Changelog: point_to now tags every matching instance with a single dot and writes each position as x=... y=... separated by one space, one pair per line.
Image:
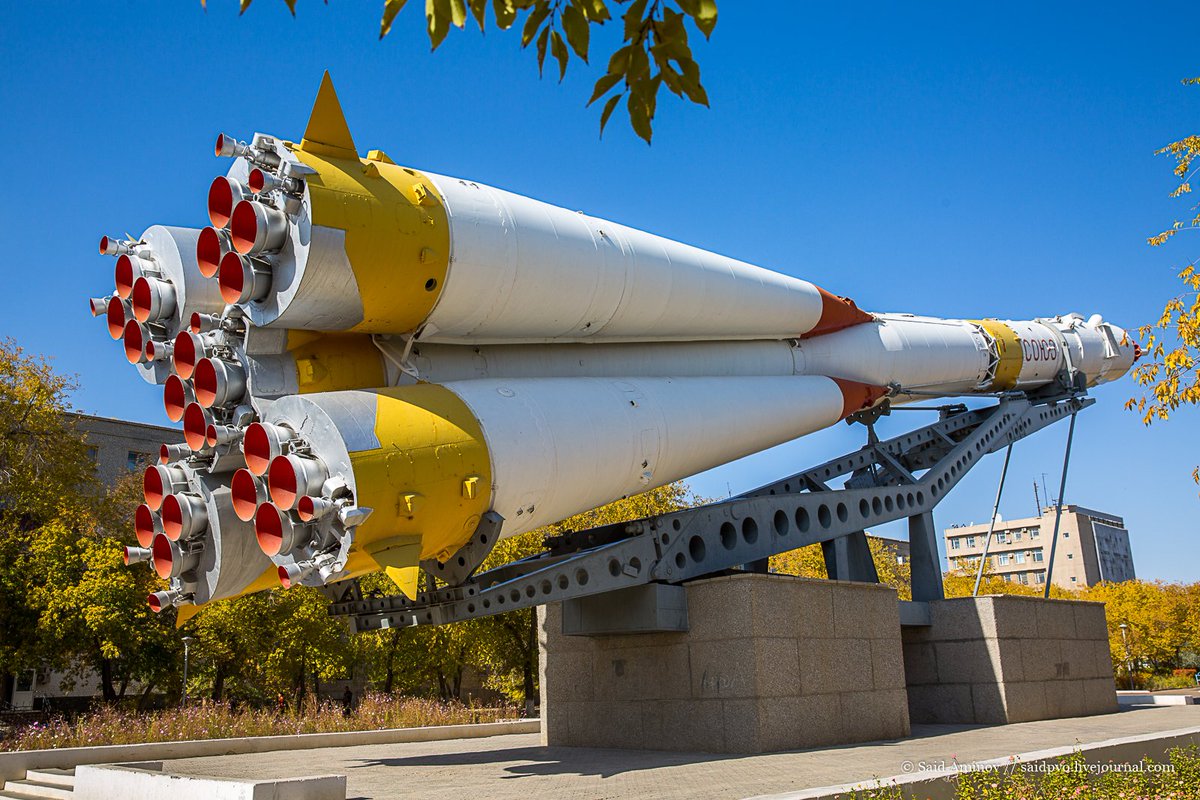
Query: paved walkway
x=515 y=767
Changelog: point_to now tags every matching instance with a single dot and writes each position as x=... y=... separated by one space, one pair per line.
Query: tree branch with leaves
x=1170 y=369
x=654 y=53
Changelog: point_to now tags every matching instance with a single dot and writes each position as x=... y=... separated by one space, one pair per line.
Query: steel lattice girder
x=776 y=518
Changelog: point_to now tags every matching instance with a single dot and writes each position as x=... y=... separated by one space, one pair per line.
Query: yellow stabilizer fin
x=406 y=578
x=327 y=131
x=184 y=613
x=400 y=557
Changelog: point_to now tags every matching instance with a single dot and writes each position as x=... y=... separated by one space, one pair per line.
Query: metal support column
x=926 y=563
x=848 y=558
x=1062 y=487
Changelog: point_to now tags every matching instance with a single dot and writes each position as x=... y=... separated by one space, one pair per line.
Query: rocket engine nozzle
x=159 y=481
x=262 y=443
x=116 y=316
x=247 y=493
x=218 y=382
x=291 y=477
x=135 y=555
x=170 y=559
x=224 y=194
x=189 y=350
x=173 y=452
x=177 y=394
x=112 y=246
x=196 y=420
x=135 y=338
x=160 y=600
x=153 y=299
x=292 y=574
x=183 y=515
x=211 y=244
x=257 y=228
x=243 y=279
x=262 y=181
x=125 y=274
x=145 y=524
x=216 y=435
x=276 y=531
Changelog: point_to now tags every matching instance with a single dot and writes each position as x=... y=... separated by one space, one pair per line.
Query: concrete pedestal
x=769 y=663
x=1003 y=658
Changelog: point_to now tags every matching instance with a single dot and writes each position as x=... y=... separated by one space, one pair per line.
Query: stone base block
x=770 y=663
x=1005 y=658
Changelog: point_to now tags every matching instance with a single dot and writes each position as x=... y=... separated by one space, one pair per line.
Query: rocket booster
x=367 y=359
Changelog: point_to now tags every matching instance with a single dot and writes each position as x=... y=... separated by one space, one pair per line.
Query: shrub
x=109 y=725
x=1158 y=682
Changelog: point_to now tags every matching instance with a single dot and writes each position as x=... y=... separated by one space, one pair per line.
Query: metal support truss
x=883 y=486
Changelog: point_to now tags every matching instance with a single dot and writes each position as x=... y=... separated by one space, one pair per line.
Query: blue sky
x=938 y=158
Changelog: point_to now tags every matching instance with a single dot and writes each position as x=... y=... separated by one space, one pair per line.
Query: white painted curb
x=14 y=765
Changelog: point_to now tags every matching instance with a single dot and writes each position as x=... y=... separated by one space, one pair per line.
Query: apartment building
x=1093 y=546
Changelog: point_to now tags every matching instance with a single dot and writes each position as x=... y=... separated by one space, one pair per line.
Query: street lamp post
x=187 y=640
x=1128 y=662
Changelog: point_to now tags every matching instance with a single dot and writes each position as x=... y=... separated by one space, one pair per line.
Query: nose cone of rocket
x=859 y=396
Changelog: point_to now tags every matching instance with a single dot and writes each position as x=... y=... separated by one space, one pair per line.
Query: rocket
x=368 y=360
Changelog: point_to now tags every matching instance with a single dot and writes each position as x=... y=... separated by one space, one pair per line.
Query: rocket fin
x=400 y=556
x=185 y=612
x=406 y=578
x=327 y=128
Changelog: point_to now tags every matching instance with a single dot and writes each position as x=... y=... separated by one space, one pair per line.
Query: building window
x=1037 y=555
x=136 y=460
x=1003 y=559
x=1066 y=534
x=970 y=541
x=1025 y=578
x=1034 y=533
x=1017 y=536
x=1072 y=579
x=92 y=453
x=1070 y=555
x=954 y=543
x=1041 y=577
x=1020 y=557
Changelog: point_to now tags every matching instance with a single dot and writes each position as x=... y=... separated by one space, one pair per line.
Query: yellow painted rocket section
x=428 y=483
x=1008 y=347
x=335 y=362
x=397 y=230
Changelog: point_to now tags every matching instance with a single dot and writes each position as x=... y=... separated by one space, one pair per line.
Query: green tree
x=66 y=598
x=1159 y=616
x=654 y=50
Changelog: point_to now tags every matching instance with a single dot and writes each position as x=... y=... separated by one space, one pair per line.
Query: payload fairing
x=368 y=359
